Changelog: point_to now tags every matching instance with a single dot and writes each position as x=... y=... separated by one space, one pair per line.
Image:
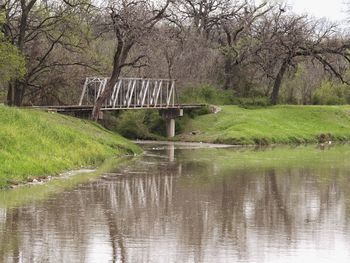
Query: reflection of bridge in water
x=141 y=191
x=144 y=188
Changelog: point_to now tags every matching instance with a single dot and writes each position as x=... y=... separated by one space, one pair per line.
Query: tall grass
x=35 y=143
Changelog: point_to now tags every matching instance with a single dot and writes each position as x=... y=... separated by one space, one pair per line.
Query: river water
x=192 y=203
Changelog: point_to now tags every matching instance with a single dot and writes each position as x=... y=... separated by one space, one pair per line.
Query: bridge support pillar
x=170 y=128
x=169 y=116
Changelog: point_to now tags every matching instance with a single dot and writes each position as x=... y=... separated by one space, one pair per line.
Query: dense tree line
x=48 y=47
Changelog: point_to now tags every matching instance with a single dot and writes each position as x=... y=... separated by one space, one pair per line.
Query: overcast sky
x=334 y=10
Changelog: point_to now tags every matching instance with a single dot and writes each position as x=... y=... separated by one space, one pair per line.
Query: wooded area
x=47 y=48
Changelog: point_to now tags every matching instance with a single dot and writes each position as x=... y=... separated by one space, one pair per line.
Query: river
x=191 y=203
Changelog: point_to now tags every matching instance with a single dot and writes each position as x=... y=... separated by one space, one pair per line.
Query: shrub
x=138 y=124
x=155 y=123
x=2 y=96
x=330 y=94
x=130 y=124
x=197 y=112
x=254 y=102
x=206 y=94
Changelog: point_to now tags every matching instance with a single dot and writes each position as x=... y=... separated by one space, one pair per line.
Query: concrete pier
x=170 y=128
x=169 y=116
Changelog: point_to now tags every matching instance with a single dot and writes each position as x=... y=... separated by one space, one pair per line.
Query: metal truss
x=131 y=93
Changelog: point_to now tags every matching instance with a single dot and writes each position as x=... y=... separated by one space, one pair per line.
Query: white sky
x=334 y=10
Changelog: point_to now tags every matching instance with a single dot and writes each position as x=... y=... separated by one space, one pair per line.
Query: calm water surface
x=183 y=204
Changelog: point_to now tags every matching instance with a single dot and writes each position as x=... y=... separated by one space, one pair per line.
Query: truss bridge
x=130 y=94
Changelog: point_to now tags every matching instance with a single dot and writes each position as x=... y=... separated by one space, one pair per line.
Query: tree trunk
x=108 y=90
x=170 y=68
x=10 y=94
x=119 y=59
x=15 y=93
x=278 y=82
x=125 y=41
x=228 y=69
x=276 y=194
x=16 y=88
x=104 y=96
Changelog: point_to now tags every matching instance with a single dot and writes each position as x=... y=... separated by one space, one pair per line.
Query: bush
x=2 y=96
x=193 y=113
x=331 y=94
x=131 y=125
x=206 y=94
x=138 y=124
x=155 y=123
x=254 y=102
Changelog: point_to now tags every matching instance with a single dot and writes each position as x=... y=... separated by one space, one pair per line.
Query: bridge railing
x=131 y=93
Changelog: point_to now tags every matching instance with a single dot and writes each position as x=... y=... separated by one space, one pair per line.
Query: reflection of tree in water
x=189 y=210
x=268 y=206
x=9 y=243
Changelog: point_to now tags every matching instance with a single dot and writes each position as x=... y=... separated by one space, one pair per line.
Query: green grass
x=10 y=198
x=271 y=125
x=35 y=143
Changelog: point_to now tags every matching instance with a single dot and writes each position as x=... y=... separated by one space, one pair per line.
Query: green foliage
x=331 y=93
x=254 y=102
x=12 y=62
x=140 y=124
x=35 y=143
x=155 y=123
x=206 y=94
x=147 y=124
x=278 y=124
x=2 y=96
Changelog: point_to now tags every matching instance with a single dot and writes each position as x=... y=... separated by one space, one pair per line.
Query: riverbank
x=35 y=144
x=21 y=194
x=270 y=125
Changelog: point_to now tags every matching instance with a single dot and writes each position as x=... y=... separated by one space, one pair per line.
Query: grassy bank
x=10 y=198
x=35 y=144
x=278 y=124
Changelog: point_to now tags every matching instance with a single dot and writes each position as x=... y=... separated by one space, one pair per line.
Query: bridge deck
x=88 y=108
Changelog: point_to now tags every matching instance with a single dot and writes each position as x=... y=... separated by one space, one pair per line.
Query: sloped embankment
x=35 y=143
x=271 y=125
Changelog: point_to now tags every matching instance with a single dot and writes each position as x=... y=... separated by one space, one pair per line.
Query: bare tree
x=204 y=15
x=236 y=45
x=171 y=40
x=288 y=39
x=130 y=21
x=38 y=29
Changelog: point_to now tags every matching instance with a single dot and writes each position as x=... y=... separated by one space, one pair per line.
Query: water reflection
x=176 y=206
